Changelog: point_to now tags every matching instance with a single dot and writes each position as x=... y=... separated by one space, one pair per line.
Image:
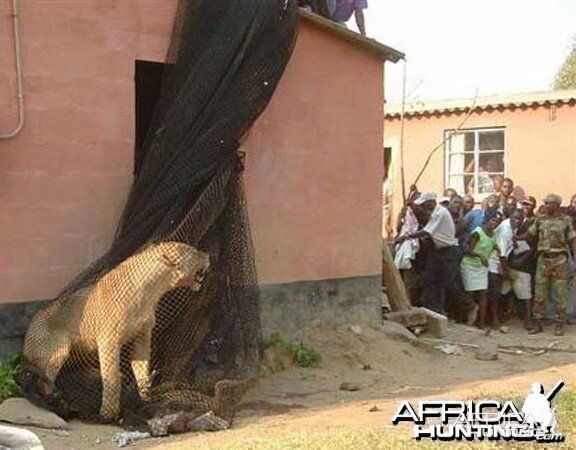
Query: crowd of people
x=340 y=11
x=484 y=265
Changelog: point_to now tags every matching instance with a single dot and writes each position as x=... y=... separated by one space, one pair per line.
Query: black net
x=135 y=330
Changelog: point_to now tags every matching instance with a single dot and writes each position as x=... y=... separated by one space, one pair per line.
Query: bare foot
x=472 y=316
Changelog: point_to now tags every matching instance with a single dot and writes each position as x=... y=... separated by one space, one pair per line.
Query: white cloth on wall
x=406 y=252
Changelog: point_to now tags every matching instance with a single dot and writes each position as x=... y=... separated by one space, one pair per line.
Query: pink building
x=314 y=157
x=529 y=137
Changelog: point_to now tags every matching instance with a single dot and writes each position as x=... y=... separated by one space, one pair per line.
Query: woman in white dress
x=474 y=266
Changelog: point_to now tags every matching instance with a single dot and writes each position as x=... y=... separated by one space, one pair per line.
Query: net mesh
x=131 y=330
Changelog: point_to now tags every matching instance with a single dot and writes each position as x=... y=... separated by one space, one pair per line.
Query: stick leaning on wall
x=471 y=109
x=396 y=290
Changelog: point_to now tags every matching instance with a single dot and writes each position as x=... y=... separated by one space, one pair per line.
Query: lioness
x=117 y=310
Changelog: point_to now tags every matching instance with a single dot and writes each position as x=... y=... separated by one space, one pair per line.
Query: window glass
x=469 y=142
x=491 y=140
x=492 y=163
x=473 y=159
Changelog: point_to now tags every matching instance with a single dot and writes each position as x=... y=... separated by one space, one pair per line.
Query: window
x=148 y=82
x=474 y=158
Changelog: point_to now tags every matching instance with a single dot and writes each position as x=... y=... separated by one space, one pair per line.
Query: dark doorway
x=148 y=80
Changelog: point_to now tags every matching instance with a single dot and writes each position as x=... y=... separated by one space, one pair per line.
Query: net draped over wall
x=225 y=59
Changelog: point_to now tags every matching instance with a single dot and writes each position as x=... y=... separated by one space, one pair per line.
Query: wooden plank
x=394 y=285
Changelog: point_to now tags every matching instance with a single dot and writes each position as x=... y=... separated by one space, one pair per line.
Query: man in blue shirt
x=341 y=11
x=477 y=217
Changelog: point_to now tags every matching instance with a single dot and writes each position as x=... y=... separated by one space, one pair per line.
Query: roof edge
x=371 y=45
x=506 y=101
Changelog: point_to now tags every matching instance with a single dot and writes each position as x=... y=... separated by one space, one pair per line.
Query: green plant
x=275 y=340
x=305 y=356
x=8 y=370
x=300 y=354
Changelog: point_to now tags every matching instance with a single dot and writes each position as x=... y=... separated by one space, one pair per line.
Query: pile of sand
x=378 y=364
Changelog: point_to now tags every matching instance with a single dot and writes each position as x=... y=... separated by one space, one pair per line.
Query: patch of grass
x=305 y=356
x=8 y=370
x=566 y=414
x=302 y=355
x=565 y=404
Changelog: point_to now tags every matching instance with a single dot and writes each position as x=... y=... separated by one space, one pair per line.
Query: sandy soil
x=299 y=399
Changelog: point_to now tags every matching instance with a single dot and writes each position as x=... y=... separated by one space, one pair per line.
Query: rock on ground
x=396 y=330
x=350 y=387
x=170 y=424
x=125 y=438
x=355 y=329
x=487 y=352
x=186 y=421
x=20 y=411
x=18 y=439
x=208 y=422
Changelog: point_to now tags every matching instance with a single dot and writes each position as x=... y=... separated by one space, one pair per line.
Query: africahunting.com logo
x=485 y=420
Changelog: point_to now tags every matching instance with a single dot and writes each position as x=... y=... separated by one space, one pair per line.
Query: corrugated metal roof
x=526 y=99
x=373 y=46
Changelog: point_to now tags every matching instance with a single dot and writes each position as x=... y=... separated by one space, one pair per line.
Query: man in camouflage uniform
x=553 y=232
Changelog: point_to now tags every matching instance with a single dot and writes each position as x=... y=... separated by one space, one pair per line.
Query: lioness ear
x=170 y=260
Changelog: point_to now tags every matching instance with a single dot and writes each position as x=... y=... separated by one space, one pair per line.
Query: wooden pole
x=394 y=285
x=402 y=177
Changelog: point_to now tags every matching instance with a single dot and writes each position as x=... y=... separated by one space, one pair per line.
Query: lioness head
x=39 y=390
x=189 y=264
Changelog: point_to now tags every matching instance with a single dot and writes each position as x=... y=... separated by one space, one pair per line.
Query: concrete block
x=15 y=317
x=413 y=317
x=292 y=308
x=437 y=324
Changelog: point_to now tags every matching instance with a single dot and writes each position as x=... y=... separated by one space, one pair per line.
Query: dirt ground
x=386 y=369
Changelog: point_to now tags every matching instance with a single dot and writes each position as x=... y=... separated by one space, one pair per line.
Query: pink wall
x=63 y=180
x=540 y=153
x=314 y=168
x=314 y=157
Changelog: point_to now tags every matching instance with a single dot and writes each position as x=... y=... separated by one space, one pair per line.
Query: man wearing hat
x=529 y=208
x=443 y=269
x=553 y=232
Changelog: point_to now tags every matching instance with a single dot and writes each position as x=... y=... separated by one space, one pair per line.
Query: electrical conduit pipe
x=18 y=58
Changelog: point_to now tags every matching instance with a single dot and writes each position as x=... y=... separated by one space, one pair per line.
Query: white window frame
x=448 y=153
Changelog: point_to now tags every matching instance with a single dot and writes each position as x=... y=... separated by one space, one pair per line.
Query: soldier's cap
x=553 y=198
x=529 y=201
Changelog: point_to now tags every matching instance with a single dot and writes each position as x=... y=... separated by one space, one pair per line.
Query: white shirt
x=441 y=228
x=503 y=235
